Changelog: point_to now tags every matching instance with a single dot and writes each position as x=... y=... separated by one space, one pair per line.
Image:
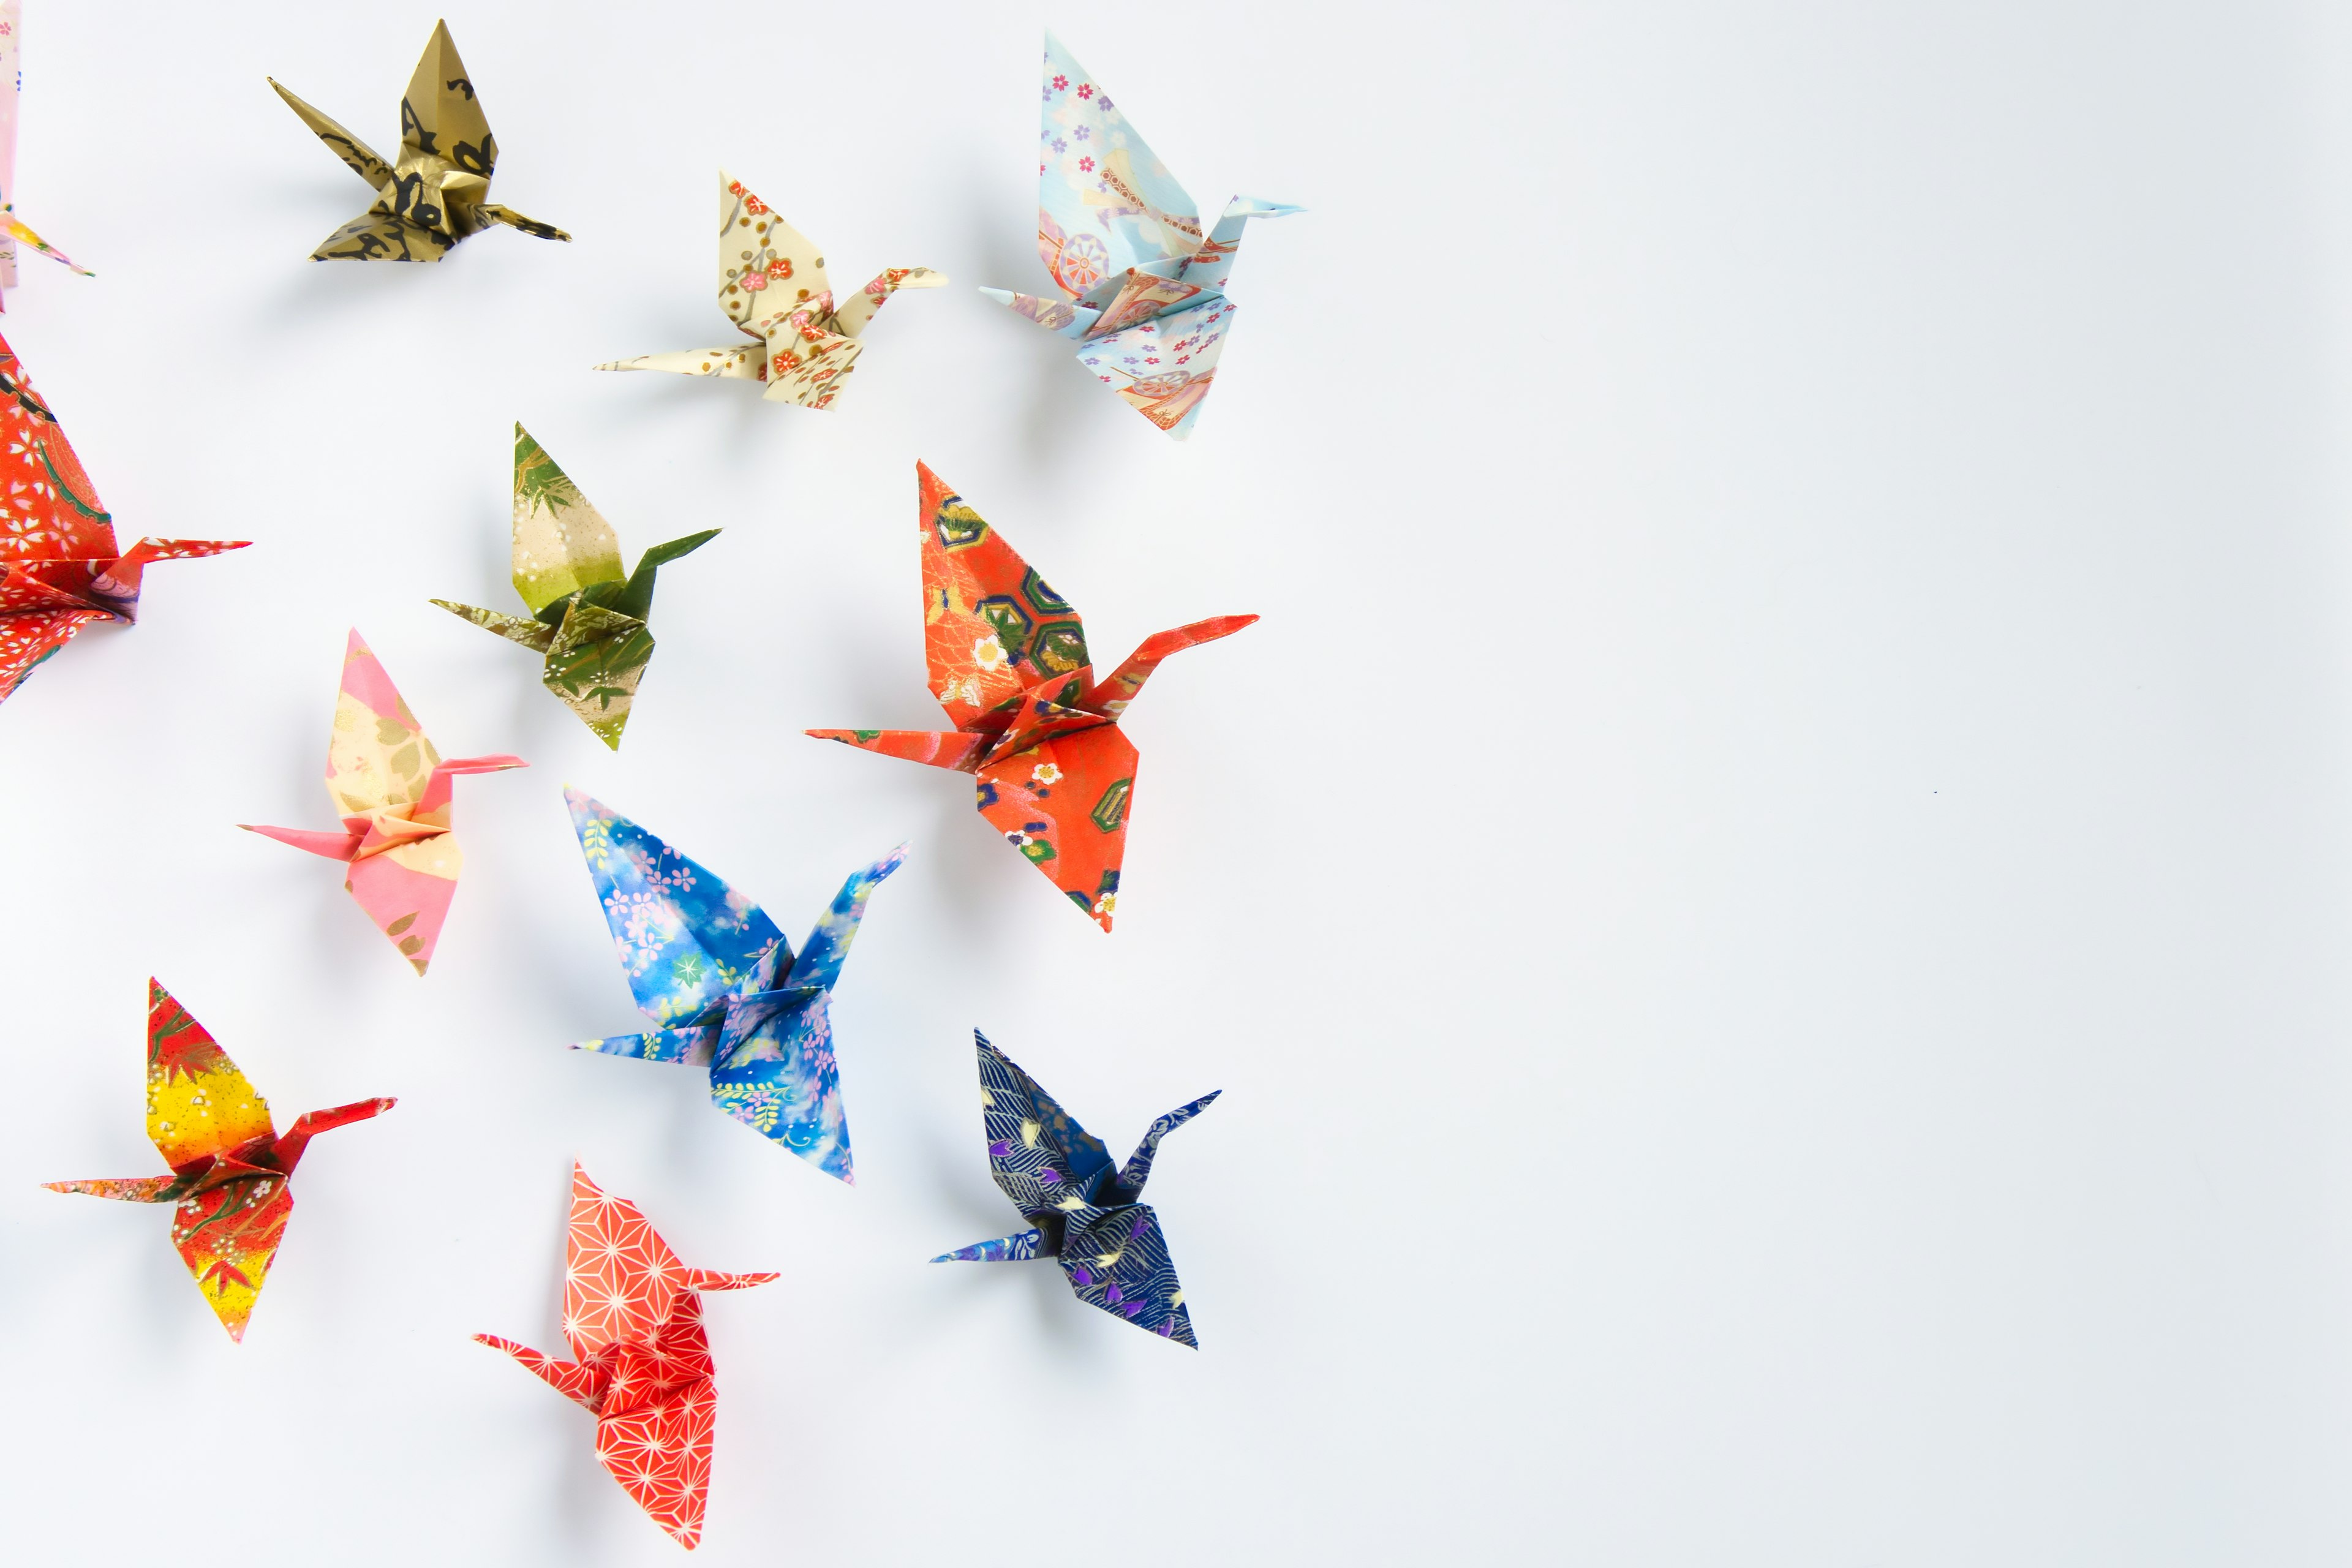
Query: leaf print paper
x=394 y=793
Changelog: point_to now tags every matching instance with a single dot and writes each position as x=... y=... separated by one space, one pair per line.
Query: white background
x=1768 y=898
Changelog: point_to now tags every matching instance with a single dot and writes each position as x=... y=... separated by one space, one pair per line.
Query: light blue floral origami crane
x=709 y=966
x=1143 y=289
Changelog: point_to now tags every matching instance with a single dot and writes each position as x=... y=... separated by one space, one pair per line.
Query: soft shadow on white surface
x=1768 y=897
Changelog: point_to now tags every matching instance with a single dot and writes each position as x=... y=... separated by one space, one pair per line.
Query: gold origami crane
x=436 y=194
x=772 y=286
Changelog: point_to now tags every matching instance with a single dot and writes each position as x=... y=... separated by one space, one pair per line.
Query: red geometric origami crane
x=1009 y=663
x=641 y=1363
x=60 y=569
x=229 y=1168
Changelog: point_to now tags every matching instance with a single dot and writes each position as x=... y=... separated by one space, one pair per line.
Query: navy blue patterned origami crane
x=708 y=964
x=1081 y=1212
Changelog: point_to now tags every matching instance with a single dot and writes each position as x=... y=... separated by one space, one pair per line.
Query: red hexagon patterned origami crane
x=1008 y=662
x=59 y=568
x=641 y=1361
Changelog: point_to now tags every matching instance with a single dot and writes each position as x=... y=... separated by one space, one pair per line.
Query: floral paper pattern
x=59 y=568
x=394 y=792
x=230 y=1167
x=772 y=286
x=641 y=1361
x=1142 y=288
x=1008 y=662
x=708 y=965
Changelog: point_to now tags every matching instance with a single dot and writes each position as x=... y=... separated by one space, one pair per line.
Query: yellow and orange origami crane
x=392 y=791
x=1009 y=663
x=230 y=1167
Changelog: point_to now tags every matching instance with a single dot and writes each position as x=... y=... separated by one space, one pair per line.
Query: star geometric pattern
x=633 y=1317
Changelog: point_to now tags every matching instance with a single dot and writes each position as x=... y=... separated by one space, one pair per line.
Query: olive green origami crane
x=586 y=615
x=438 y=191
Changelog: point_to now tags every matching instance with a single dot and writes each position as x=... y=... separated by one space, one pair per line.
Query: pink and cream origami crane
x=12 y=87
x=392 y=790
x=641 y=1363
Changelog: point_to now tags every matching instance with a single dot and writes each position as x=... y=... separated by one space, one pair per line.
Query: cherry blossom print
x=61 y=569
x=710 y=967
x=1109 y=208
x=773 y=290
x=394 y=795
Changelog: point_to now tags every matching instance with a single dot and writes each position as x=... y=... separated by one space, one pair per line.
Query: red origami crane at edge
x=1008 y=662
x=642 y=1363
x=60 y=569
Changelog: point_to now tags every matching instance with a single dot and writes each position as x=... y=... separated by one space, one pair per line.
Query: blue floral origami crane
x=709 y=966
x=1143 y=289
x=1083 y=1214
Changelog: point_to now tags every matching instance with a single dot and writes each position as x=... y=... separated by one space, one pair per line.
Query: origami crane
x=229 y=1168
x=709 y=966
x=60 y=569
x=641 y=1363
x=1084 y=1214
x=12 y=87
x=587 y=617
x=772 y=284
x=1143 y=289
x=392 y=790
x=436 y=194
x=1008 y=660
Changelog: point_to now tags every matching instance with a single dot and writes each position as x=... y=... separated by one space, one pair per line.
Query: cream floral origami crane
x=392 y=790
x=587 y=615
x=772 y=286
x=641 y=1363
x=12 y=87
x=439 y=191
